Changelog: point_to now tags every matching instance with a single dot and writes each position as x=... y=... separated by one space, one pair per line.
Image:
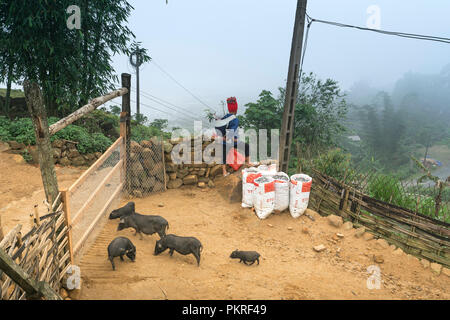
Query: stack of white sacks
x=267 y=191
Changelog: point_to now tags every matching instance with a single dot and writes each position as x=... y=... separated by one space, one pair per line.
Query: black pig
x=245 y=256
x=182 y=245
x=121 y=246
x=147 y=224
x=124 y=211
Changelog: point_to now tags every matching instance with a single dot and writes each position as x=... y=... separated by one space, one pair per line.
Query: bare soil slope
x=21 y=188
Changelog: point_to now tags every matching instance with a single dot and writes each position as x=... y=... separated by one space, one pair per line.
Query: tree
x=319 y=114
x=264 y=114
x=71 y=66
x=161 y=124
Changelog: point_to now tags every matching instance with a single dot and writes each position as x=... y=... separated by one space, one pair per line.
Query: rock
x=360 y=231
x=58 y=144
x=382 y=244
x=202 y=172
x=171 y=167
x=90 y=157
x=167 y=157
x=335 y=221
x=347 y=225
x=137 y=193
x=67 y=298
x=175 y=141
x=135 y=147
x=14 y=145
x=398 y=252
x=78 y=161
x=174 y=184
x=98 y=154
x=190 y=179
x=289 y=228
x=63 y=293
x=201 y=185
x=340 y=235
x=161 y=205
x=305 y=230
x=217 y=169
x=211 y=184
x=4 y=146
x=56 y=153
x=319 y=248
x=73 y=154
x=167 y=147
x=18 y=159
x=182 y=172
x=270 y=225
x=146 y=144
x=425 y=263
x=367 y=236
x=446 y=271
x=172 y=176
x=436 y=268
x=64 y=161
x=203 y=179
x=378 y=258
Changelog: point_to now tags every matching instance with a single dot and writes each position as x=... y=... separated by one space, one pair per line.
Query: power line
x=392 y=33
x=187 y=90
x=167 y=104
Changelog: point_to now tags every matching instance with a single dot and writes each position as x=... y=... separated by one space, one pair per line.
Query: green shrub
x=335 y=163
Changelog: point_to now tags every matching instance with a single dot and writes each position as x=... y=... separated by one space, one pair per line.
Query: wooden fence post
x=36 y=107
x=66 y=208
x=126 y=107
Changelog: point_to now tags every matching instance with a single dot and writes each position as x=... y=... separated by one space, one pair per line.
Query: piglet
x=245 y=256
x=121 y=246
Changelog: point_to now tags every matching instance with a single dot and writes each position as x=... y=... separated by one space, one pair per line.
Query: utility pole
x=287 y=125
x=136 y=61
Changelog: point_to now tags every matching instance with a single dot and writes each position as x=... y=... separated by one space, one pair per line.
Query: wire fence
x=145 y=168
x=95 y=194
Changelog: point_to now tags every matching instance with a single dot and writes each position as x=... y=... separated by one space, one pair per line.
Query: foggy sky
x=237 y=48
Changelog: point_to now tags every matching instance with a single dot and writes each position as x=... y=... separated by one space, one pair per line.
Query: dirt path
x=289 y=268
x=21 y=188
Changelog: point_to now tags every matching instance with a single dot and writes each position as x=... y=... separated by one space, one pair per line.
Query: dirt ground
x=21 y=188
x=289 y=269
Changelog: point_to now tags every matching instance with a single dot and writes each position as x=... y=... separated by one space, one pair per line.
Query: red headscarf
x=232 y=105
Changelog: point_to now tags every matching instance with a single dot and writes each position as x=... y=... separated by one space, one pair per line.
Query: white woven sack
x=300 y=187
x=248 y=175
x=281 y=202
x=264 y=196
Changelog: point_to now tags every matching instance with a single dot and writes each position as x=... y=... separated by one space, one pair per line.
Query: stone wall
x=201 y=175
x=65 y=153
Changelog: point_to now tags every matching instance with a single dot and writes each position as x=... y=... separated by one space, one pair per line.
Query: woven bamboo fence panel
x=415 y=233
x=43 y=253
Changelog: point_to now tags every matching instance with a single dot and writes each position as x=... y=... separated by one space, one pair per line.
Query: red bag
x=235 y=159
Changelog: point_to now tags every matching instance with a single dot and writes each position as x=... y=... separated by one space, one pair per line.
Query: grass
x=15 y=93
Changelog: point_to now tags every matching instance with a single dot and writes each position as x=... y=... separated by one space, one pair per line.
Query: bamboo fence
x=415 y=233
x=43 y=253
